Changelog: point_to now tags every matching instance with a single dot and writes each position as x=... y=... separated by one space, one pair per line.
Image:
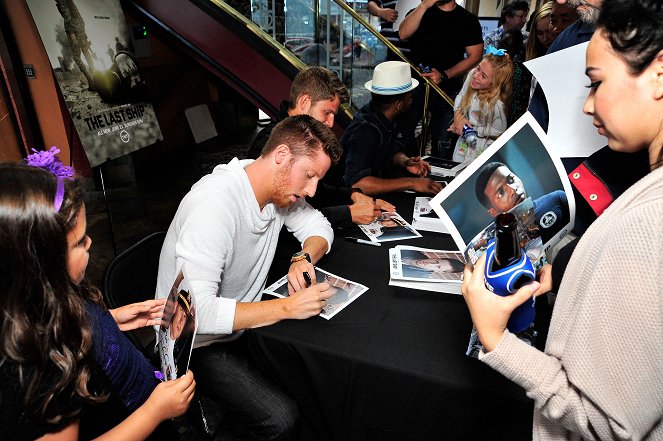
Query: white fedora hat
x=391 y=78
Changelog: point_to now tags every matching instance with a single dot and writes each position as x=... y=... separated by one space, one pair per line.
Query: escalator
x=258 y=46
x=224 y=45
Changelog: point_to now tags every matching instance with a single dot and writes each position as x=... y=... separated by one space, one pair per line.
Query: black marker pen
x=307 y=278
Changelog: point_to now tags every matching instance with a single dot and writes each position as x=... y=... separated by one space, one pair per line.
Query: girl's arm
x=138 y=315
x=169 y=399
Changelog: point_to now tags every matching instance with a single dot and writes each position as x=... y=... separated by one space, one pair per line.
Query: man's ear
x=657 y=75
x=493 y=212
x=281 y=153
x=303 y=104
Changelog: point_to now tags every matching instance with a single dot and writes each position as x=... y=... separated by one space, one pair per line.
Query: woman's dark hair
x=42 y=312
x=634 y=29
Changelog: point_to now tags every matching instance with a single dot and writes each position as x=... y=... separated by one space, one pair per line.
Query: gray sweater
x=601 y=375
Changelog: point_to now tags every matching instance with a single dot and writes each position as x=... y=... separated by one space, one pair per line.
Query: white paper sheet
x=562 y=77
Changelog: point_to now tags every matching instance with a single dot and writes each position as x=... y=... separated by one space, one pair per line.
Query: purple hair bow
x=47 y=160
x=492 y=50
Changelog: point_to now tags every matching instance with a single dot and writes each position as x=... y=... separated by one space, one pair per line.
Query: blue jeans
x=442 y=114
x=225 y=374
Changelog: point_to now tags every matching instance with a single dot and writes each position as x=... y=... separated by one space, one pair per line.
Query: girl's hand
x=458 y=123
x=137 y=315
x=171 y=398
x=490 y=312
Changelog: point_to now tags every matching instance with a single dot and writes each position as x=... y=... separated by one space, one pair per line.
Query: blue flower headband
x=48 y=161
x=492 y=50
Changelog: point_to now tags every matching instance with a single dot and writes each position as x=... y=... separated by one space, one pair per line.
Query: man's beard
x=588 y=14
x=280 y=196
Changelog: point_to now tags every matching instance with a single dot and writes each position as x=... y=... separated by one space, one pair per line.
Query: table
x=391 y=365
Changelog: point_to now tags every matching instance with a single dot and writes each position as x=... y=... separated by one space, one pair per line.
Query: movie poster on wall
x=90 y=50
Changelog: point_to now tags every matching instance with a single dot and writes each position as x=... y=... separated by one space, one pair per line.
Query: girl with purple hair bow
x=58 y=341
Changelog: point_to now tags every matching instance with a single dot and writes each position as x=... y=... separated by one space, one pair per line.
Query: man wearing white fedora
x=373 y=147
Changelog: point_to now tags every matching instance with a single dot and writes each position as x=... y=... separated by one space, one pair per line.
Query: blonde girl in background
x=482 y=104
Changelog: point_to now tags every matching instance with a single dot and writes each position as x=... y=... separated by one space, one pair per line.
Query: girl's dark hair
x=42 y=312
x=634 y=29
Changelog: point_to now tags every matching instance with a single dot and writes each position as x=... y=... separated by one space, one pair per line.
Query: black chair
x=132 y=277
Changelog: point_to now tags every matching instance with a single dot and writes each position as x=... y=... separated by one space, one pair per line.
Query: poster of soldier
x=91 y=52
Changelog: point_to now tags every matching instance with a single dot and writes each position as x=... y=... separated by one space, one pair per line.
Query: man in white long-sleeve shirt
x=225 y=231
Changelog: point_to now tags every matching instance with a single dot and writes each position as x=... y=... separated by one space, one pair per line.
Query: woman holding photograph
x=599 y=377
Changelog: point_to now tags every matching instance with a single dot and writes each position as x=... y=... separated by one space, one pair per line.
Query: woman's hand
x=137 y=315
x=490 y=312
x=544 y=275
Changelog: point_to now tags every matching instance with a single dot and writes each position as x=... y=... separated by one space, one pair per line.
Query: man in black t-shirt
x=441 y=34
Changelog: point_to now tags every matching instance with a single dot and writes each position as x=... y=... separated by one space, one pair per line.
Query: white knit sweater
x=601 y=376
x=228 y=245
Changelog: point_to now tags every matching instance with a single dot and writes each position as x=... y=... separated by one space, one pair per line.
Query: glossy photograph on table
x=389 y=226
x=426 y=269
x=344 y=291
x=520 y=164
x=425 y=264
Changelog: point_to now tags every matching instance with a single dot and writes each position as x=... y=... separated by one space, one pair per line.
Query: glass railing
x=340 y=36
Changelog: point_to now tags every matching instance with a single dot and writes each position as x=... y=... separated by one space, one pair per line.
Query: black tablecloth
x=392 y=364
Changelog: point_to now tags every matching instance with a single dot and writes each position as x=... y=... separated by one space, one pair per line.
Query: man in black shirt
x=372 y=144
x=441 y=33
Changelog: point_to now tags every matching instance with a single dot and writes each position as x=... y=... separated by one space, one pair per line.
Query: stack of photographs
x=426 y=269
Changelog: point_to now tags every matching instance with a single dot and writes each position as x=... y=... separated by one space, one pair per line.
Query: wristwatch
x=300 y=255
x=443 y=76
